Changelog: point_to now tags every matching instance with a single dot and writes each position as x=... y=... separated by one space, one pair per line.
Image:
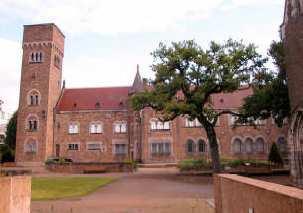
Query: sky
x=105 y=40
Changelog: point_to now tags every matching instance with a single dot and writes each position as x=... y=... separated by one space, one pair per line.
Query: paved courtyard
x=146 y=191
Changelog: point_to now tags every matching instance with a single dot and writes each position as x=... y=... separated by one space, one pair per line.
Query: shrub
x=6 y=154
x=274 y=155
x=233 y=163
x=194 y=165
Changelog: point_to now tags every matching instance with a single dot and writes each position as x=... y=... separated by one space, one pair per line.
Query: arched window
x=282 y=145
x=36 y=57
x=120 y=127
x=237 y=146
x=30 y=146
x=190 y=146
x=96 y=128
x=248 y=145
x=201 y=146
x=33 y=98
x=73 y=128
x=260 y=145
x=32 y=123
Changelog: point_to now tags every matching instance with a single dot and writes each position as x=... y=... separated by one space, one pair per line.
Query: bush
x=56 y=160
x=6 y=154
x=233 y=163
x=194 y=165
x=274 y=155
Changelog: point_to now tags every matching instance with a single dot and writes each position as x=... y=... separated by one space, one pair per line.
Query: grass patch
x=51 y=188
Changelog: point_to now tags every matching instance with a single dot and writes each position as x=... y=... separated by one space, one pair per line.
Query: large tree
x=186 y=68
x=270 y=97
x=11 y=131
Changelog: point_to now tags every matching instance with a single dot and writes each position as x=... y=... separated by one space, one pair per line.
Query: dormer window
x=36 y=57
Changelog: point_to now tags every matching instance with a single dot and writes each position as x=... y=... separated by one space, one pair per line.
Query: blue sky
x=106 y=39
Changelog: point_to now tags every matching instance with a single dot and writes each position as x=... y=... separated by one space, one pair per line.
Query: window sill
x=160 y=130
x=35 y=62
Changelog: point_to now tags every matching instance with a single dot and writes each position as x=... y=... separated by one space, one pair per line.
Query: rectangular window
x=96 y=128
x=73 y=128
x=94 y=146
x=120 y=149
x=156 y=125
x=73 y=146
x=192 y=123
x=120 y=127
x=161 y=148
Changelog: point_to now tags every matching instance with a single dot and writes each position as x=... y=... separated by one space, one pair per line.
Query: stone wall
x=89 y=167
x=235 y=194
x=15 y=193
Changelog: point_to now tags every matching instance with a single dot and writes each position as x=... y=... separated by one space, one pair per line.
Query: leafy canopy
x=270 y=98
x=186 y=75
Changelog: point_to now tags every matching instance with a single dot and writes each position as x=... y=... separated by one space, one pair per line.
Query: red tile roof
x=232 y=100
x=106 y=98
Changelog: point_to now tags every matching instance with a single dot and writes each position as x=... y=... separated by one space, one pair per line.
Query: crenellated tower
x=40 y=88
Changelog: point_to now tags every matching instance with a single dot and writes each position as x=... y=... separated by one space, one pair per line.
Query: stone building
x=98 y=125
x=292 y=35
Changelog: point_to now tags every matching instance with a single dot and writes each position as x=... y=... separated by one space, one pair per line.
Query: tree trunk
x=214 y=148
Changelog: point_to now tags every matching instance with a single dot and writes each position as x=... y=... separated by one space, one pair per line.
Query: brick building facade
x=98 y=125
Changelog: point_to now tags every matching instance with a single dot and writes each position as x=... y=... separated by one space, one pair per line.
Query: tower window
x=36 y=57
x=32 y=123
x=33 y=98
x=57 y=61
x=30 y=146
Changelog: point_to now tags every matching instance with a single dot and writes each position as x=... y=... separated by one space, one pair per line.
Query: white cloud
x=10 y=67
x=109 y=17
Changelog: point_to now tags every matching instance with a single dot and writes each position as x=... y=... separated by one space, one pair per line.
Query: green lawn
x=51 y=188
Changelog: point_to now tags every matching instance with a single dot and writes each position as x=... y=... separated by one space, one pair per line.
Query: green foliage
x=194 y=165
x=274 y=155
x=60 y=160
x=6 y=154
x=11 y=131
x=186 y=75
x=233 y=163
x=270 y=96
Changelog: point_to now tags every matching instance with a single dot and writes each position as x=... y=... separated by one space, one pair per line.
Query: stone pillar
x=292 y=35
x=15 y=193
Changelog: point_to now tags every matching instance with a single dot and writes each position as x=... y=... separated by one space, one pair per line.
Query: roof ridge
x=109 y=87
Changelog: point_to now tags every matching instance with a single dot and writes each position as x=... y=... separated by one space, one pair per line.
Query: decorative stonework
x=296 y=147
x=36 y=44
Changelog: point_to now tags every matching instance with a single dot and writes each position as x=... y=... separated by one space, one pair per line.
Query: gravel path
x=146 y=191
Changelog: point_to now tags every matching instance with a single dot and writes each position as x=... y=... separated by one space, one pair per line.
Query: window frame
x=122 y=125
x=73 y=124
x=75 y=144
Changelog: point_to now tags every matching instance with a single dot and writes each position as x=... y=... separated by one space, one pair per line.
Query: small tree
x=186 y=76
x=274 y=155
